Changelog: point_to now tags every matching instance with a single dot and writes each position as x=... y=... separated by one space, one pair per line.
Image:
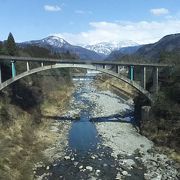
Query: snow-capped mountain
x=55 y=41
x=107 y=47
x=57 y=44
x=98 y=51
x=50 y=41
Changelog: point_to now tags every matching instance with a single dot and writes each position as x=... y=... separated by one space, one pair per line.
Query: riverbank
x=118 y=151
x=104 y=82
x=56 y=132
x=27 y=139
x=124 y=140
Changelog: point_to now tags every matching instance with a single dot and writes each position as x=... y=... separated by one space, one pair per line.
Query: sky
x=90 y=21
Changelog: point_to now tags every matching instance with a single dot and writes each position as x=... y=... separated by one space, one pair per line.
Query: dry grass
x=57 y=101
x=16 y=144
x=22 y=146
x=22 y=143
x=110 y=83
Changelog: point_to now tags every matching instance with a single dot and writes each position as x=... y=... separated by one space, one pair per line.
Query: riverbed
x=103 y=141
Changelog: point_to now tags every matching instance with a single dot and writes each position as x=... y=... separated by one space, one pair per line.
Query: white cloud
x=140 y=32
x=159 y=11
x=52 y=8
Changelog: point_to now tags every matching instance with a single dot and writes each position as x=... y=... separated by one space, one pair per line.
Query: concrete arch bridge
x=47 y=64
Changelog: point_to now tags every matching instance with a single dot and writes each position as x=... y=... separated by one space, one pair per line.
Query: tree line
x=8 y=47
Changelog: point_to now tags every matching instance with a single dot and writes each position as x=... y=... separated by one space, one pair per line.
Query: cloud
x=52 y=8
x=141 y=32
x=159 y=11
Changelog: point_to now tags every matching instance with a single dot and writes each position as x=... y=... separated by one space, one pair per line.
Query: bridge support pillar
x=118 y=69
x=0 y=75
x=42 y=64
x=144 y=77
x=155 y=79
x=104 y=66
x=13 y=69
x=131 y=73
x=27 y=66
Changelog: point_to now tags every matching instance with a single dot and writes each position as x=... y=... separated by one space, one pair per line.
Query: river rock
x=75 y=163
x=92 y=178
x=89 y=168
x=124 y=167
x=158 y=177
x=134 y=166
x=92 y=157
x=124 y=173
x=129 y=162
x=55 y=165
x=147 y=176
x=67 y=157
x=80 y=167
x=118 y=176
x=98 y=172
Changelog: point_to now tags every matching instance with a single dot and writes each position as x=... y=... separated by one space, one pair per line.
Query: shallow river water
x=102 y=143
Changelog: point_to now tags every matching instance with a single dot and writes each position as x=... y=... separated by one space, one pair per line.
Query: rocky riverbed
x=124 y=140
x=112 y=148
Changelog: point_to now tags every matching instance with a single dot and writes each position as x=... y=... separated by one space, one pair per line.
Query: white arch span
x=84 y=66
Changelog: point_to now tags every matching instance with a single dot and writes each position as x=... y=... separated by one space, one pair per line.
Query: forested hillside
x=163 y=127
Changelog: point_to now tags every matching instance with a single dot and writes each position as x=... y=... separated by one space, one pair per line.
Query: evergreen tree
x=11 y=45
x=3 y=50
x=1 y=47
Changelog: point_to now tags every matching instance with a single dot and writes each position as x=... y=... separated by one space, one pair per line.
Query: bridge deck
x=76 y=61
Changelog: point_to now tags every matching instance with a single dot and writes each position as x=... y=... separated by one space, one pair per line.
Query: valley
x=100 y=145
x=54 y=126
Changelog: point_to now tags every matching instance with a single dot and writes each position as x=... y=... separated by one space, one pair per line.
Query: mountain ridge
x=149 y=52
x=59 y=45
x=122 y=52
x=98 y=51
x=107 y=47
x=154 y=51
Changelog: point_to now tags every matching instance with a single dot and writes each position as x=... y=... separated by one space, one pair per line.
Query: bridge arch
x=83 y=66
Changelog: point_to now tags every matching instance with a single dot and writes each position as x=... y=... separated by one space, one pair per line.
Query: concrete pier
x=0 y=75
x=117 y=69
x=155 y=79
x=131 y=73
x=13 y=69
x=27 y=64
x=144 y=77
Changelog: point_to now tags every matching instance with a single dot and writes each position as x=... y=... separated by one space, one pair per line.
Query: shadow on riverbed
x=61 y=118
x=113 y=118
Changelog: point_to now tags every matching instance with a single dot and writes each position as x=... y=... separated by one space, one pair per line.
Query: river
x=103 y=142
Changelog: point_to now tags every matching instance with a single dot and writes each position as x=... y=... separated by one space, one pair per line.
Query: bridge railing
x=118 y=65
